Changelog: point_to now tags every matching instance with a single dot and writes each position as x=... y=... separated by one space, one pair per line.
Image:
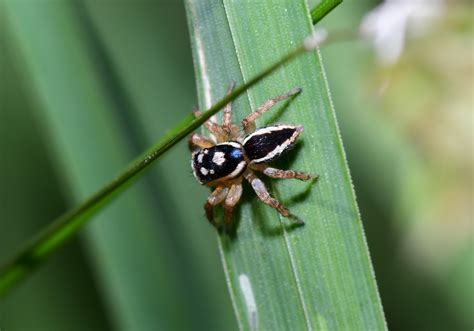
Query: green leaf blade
x=318 y=276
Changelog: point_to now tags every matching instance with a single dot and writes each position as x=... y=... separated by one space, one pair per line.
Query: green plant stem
x=322 y=9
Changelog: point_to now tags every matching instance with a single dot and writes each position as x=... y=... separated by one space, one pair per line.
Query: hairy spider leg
x=227 y=114
x=282 y=174
x=216 y=197
x=249 y=122
x=231 y=200
x=262 y=193
x=214 y=128
x=199 y=141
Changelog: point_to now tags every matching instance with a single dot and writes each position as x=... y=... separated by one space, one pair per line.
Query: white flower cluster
x=388 y=24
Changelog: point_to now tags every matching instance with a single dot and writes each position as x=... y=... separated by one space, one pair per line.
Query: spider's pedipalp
x=262 y=193
x=249 y=122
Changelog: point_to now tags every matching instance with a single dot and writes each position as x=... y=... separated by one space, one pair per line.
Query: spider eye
x=236 y=153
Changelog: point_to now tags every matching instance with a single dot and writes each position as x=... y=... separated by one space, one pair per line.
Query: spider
x=236 y=156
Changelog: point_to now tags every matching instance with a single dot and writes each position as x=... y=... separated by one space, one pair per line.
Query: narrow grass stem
x=322 y=9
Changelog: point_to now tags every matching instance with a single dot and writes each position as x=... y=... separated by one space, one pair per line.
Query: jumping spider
x=235 y=156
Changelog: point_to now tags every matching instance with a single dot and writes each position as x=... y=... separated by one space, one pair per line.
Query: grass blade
x=280 y=277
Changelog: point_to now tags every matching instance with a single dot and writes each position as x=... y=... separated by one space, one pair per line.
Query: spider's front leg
x=262 y=193
x=227 y=114
x=216 y=197
x=198 y=141
x=282 y=174
x=212 y=127
x=249 y=122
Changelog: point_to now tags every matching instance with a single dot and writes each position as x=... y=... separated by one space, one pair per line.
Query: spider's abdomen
x=222 y=161
x=268 y=143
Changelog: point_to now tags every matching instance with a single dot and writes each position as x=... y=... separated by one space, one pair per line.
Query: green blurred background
x=88 y=85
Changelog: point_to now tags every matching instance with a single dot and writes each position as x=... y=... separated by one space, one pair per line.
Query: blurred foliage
x=415 y=181
x=30 y=196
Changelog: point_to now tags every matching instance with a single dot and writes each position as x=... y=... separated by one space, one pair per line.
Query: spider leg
x=216 y=197
x=212 y=127
x=199 y=141
x=226 y=117
x=249 y=122
x=262 y=193
x=283 y=174
x=231 y=200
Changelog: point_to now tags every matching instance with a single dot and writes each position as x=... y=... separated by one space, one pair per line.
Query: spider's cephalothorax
x=220 y=162
x=224 y=164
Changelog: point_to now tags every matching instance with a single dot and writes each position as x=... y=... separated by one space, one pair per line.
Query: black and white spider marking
x=224 y=165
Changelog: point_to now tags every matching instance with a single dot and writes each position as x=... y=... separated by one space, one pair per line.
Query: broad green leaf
x=280 y=277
